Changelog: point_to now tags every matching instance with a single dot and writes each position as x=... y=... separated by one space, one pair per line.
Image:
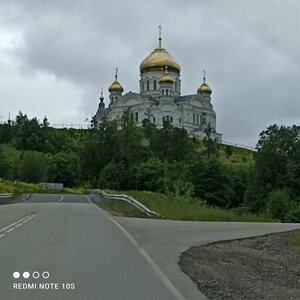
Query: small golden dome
x=116 y=86
x=204 y=88
x=157 y=60
x=166 y=78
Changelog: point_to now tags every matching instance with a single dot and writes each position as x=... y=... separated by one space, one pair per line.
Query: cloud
x=248 y=49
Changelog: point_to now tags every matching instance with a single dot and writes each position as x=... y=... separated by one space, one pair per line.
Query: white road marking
x=13 y=224
x=165 y=280
x=61 y=199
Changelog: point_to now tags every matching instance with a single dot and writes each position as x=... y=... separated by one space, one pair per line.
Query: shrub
x=280 y=204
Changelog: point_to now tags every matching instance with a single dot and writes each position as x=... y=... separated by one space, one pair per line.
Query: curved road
x=91 y=255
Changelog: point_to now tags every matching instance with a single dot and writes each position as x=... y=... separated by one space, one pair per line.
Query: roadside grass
x=21 y=188
x=122 y=208
x=7 y=186
x=189 y=210
x=295 y=241
x=78 y=191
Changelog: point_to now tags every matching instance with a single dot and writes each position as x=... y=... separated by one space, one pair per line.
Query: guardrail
x=131 y=201
x=4 y=196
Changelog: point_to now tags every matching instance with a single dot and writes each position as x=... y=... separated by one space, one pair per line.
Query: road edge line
x=165 y=280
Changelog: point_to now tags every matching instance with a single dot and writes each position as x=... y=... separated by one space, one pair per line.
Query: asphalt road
x=89 y=254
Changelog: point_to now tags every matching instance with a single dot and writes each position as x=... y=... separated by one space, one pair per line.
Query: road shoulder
x=265 y=267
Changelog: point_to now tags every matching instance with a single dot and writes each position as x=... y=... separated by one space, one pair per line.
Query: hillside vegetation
x=165 y=161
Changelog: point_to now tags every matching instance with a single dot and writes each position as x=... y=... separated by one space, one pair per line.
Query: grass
x=295 y=241
x=189 y=210
x=78 y=191
x=25 y=188
x=20 y=188
x=122 y=208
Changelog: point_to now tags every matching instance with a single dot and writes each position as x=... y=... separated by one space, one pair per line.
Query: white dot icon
x=35 y=275
x=16 y=275
x=26 y=275
x=45 y=275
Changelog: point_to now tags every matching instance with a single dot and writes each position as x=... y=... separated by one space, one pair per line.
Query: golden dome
x=157 y=60
x=116 y=86
x=204 y=88
x=166 y=78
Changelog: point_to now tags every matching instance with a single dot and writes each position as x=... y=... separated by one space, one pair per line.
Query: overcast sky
x=55 y=56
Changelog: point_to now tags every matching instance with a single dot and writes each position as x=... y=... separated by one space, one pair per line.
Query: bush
x=279 y=204
x=293 y=216
x=113 y=175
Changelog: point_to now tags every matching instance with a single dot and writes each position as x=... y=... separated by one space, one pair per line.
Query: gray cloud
x=249 y=49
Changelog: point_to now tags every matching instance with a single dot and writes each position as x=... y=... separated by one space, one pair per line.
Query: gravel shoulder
x=266 y=267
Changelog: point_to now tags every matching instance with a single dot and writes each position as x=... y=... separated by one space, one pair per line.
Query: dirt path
x=253 y=268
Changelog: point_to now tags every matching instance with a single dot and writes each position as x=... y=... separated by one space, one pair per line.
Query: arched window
x=168 y=119
x=179 y=120
x=175 y=86
x=163 y=92
x=167 y=92
x=136 y=117
x=154 y=83
x=148 y=85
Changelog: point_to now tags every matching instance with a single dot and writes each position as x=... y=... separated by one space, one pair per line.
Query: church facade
x=160 y=98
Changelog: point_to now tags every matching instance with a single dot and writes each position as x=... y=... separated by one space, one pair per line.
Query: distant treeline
x=122 y=156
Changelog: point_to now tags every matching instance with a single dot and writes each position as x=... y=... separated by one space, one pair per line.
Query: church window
x=179 y=120
x=167 y=92
x=154 y=82
x=168 y=119
x=176 y=86
x=162 y=92
x=197 y=119
x=136 y=117
x=153 y=120
x=148 y=85
x=194 y=117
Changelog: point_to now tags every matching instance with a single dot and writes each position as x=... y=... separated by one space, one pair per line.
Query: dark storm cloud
x=249 y=49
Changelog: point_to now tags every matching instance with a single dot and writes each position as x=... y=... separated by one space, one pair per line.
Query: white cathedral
x=160 y=98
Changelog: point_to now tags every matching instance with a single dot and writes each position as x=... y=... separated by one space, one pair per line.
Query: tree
x=65 y=168
x=280 y=204
x=276 y=164
x=4 y=164
x=113 y=176
x=209 y=142
x=34 y=167
x=211 y=182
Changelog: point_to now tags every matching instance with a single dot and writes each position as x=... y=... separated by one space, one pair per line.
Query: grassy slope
x=21 y=188
x=173 y=209
x=295 y=241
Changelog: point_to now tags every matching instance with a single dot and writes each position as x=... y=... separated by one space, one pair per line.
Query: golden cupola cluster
x=166 y=78
x=158 y=59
